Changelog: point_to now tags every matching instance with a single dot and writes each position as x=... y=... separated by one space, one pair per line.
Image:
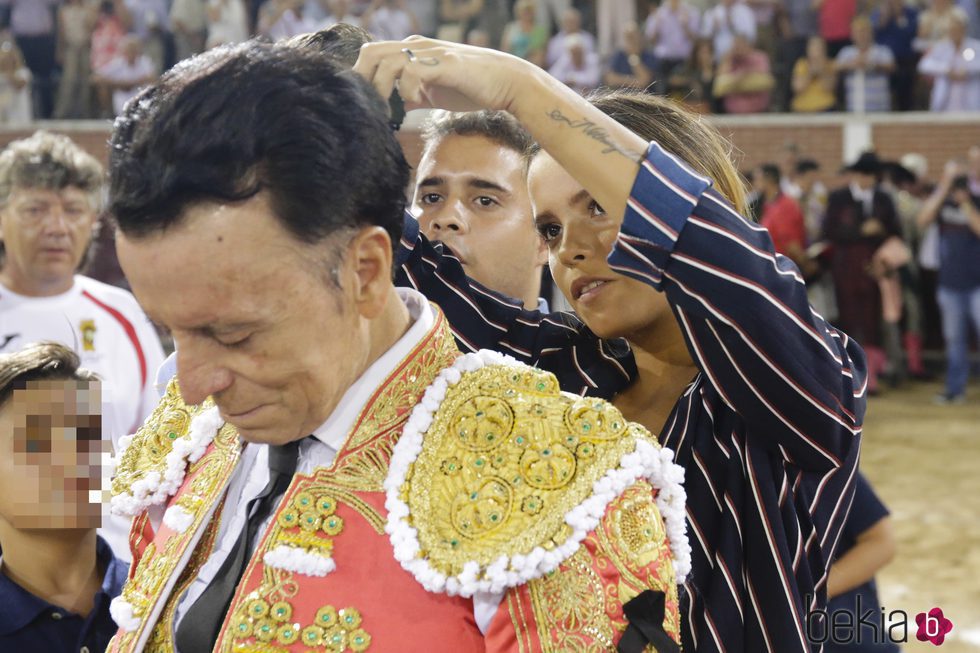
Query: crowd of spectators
x=888 y=255
x=72 y=59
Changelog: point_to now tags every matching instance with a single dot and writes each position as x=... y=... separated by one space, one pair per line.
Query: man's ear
x=370 y=258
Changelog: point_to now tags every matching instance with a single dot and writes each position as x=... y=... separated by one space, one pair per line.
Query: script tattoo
x=596 y=133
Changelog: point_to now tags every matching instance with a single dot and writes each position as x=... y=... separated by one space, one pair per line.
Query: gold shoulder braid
x=503 y=467
x=147 y=450
x=156 y=465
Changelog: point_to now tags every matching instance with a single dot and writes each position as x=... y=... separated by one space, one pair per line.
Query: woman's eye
x=595 y=209
x=549 y=232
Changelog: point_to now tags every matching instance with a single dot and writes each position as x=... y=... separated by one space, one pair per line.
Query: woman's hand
x=444 y=75
x=602 y=155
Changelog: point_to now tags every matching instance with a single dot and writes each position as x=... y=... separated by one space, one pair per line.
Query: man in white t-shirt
x=49 y=202
x=50 y=191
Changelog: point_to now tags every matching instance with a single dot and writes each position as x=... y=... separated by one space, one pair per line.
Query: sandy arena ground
x=924 y=462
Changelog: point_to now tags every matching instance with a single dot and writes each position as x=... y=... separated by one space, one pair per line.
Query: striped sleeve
x=483 y=319
x=796 y=381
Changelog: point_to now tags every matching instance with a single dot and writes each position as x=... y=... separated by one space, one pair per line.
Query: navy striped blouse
x=768 y=431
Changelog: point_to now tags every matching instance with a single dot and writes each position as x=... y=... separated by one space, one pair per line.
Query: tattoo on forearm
x=596 y=133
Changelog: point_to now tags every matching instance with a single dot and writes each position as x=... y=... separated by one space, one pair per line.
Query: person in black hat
x=860 y=218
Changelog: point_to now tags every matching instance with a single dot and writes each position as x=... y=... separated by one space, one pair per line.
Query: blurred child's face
x=51 y=456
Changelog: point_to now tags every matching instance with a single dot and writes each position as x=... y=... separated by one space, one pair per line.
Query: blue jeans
x=959 y=308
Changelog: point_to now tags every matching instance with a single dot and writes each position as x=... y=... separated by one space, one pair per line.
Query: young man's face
x=51 y=451
x=472 y=196
x=258 y=324
x=45 y=234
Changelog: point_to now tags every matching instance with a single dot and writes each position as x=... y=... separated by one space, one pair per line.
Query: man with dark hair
x=56 y=576
x=471 y=195
x=781 y=216
x=342 y=41
x=326 y=471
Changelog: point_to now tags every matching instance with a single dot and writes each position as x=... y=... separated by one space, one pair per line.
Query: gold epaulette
x=504 y=467
x=146 y=455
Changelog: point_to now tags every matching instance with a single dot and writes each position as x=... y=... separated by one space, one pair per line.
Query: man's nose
x=55 y=221
x=198 y=374
x=449 y=219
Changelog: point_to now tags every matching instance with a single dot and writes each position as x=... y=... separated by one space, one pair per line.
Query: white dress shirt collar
x=333 y=432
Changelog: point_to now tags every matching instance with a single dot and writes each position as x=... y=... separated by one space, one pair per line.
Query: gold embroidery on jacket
x=506 y=457
x=569 y=608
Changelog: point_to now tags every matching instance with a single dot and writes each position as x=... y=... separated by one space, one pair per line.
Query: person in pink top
x=744 y=82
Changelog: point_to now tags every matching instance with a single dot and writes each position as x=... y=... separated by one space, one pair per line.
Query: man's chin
x=269 y=435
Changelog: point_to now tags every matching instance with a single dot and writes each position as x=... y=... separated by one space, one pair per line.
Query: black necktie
x=198 y=630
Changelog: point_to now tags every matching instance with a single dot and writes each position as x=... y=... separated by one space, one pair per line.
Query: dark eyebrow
x=474 y=182
x=428 y=182
x=577 y=198
x=483 y=184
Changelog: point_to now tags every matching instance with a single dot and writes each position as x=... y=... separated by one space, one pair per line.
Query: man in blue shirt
x=57 y=576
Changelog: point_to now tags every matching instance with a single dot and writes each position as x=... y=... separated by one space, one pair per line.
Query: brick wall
x=757 y=139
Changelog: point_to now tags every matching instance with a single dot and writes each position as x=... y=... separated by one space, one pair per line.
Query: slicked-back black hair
x=254 y=117
x=342 y=41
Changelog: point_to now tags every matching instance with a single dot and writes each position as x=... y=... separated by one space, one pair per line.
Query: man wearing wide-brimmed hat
x=860 y=218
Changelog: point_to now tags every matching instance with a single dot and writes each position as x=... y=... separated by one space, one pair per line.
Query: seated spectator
x=672 y=30
x=726 y=20
x=390 y=20
x=744 y=83
x=866 y=67
x=571 y=25
x=633 y=65
x=693 y=83
x=283 y=19
x=524 y=37
x=58 y=576
x=76 y=19
x=339 y=13
x=227 y=22
x=895 y=26
x=189 y=22
x=780 y=214
x=954 y=66
x=578 y=68
x=125 y=75
x=814 y=79
x=935 y=23
x=867 y=545
x=16 y=107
